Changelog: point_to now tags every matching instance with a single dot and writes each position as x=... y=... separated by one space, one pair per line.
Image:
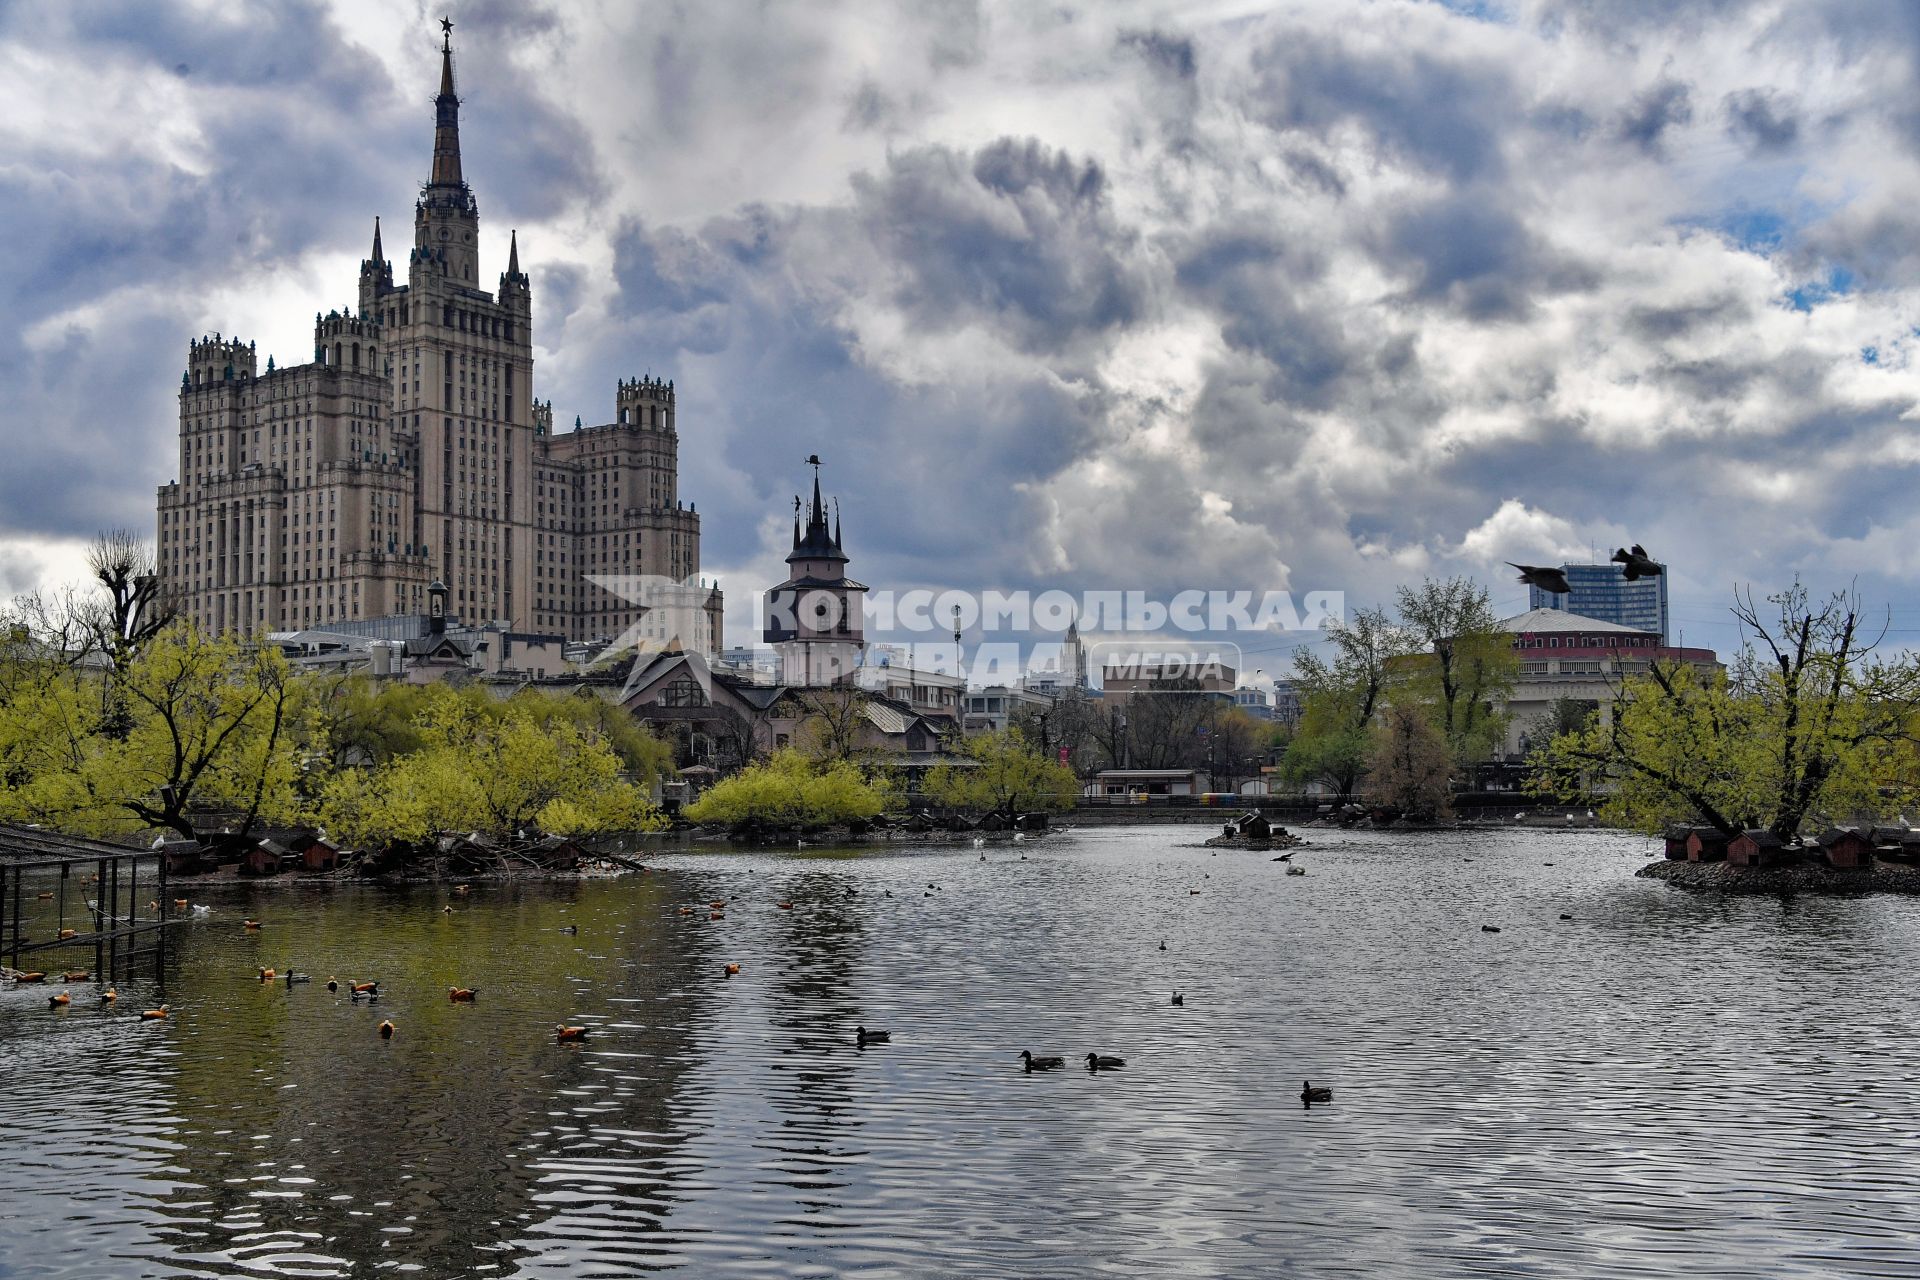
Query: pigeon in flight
x=1638 y=563
x=1551 y=580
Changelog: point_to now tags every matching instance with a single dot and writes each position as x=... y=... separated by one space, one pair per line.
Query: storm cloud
x=1326 y=296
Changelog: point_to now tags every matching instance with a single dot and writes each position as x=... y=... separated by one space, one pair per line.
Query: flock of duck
x=564 y=1033
x=64 y=999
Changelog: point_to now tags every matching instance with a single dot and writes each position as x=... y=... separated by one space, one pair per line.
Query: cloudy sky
x=1304 y=295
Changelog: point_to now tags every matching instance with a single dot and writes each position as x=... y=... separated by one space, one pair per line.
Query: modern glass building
x=1600 y=591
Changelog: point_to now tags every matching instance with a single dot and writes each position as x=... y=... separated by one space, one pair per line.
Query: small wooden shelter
x=1847 y=848
x=1706 y=844
x=1758 y=849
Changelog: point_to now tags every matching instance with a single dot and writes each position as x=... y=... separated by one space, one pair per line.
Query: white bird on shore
x=978 y=841
x=1018 y=836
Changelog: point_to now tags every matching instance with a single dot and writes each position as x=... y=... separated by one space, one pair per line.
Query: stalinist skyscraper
x=411 y=449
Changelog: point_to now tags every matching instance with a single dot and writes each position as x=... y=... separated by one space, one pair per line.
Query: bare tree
x=832 y=722
x=136 y=606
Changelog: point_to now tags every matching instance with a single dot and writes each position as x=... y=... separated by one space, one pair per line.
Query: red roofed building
x=1563 y=655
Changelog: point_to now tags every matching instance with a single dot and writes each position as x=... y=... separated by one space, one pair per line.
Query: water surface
x=1665 y=1084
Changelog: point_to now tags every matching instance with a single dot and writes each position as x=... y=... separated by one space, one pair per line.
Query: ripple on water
x=1665 y=1084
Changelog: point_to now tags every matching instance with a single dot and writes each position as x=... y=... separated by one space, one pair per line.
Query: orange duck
x=564 y=1033
x=732 y=970
x=60 y=1001
x=250 y=924
x=268 y=975
x=76 y=975
x=148 y=1015
x=462 y=995
x=386 y=1029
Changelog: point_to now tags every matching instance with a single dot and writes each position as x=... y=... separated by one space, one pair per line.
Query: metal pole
x=111 y=896
x=160 y=943
x=16 y=916
x=100 y=922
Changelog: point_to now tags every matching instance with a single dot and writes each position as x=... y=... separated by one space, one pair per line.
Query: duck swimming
x=1179 y=999
x=1310 y=1092
x=563 y=1033
x=60 y=1001
x=863 y=1036
x=1100 y=1062
x=386 y=1029
x=149 y=1015
x=1041 y=1064
x=462 y=995
x=731 y=970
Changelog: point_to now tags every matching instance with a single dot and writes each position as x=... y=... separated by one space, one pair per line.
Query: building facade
x=411 y=448
x=1601 y=591
x=1564 y=656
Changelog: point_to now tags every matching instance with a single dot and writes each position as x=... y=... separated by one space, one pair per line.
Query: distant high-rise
x=411 y=448
x=1601 y=591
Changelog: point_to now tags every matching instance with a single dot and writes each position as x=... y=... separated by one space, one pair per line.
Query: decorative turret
x=516 y=291
x=344 y=341
x=645 y=402
x=376 y=273
x=214 y=360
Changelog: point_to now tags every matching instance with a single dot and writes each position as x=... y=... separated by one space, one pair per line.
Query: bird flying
x=1638 y=563
x=1545 y=578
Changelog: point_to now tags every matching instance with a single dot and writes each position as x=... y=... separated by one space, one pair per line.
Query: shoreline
x=1806 y=877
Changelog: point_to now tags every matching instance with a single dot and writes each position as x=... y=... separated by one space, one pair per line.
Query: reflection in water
x=1663 y=1084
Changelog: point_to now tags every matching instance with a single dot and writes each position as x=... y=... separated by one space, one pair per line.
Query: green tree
x=1808 y=721
x=1340 y=696
x=791 y=790
x=196 y=723
x=1008 y=776
x=1468 y=667
x=507 y=769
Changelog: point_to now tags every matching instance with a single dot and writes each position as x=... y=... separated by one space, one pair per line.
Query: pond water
x=1665 y=1084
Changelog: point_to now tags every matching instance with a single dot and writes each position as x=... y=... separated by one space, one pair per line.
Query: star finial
x=446 y=31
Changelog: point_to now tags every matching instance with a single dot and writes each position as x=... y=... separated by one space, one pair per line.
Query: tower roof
x=818 y=541
x=446 y=129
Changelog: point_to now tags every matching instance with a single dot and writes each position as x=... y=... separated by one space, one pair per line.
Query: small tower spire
x=377 y=255
x=513 y=254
